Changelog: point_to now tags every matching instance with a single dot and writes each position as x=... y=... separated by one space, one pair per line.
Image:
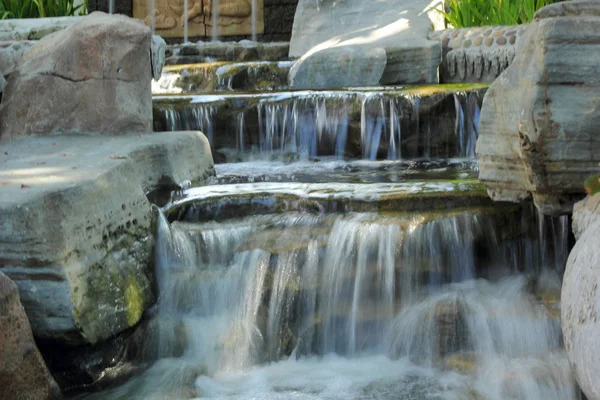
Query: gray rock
x=95 y=74
x=585 y=214
x=580 y=300
x=23 y=374
x=538 y=128
x=321 y=69
x=34 y=28
x=400 y=27
x=158 y=48
x=11 y=53
x=76 y=230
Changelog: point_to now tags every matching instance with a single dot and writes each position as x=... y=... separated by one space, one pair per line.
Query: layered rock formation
x=98 y=71
x=333 y=27
x=580 y=298
x=538 y=128
x=77 y=229
x=23 y=374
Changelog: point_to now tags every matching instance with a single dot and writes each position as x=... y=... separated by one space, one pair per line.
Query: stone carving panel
x=234 y=17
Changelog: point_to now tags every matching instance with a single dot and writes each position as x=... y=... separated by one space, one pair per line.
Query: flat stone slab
x=76 y=227
x=33 y=28
x=234 y=200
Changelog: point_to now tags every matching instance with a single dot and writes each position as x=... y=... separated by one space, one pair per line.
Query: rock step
x=223 y=76
x=372 y=123
x=83 y=271
x=227 y=201
x=244 y=50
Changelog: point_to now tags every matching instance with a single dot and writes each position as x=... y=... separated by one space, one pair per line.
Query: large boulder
x=580 y=298
x=93 y=76
x=400 y=27
x=23 y=374
x=538 y=129
x=77 y=229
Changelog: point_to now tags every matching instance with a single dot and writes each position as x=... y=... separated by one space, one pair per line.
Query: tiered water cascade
x=346 y=250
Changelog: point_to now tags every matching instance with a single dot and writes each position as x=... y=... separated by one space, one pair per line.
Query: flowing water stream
x=446 y=304
x=349 y=252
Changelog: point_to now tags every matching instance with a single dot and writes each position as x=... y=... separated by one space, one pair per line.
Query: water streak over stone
x=346 y=124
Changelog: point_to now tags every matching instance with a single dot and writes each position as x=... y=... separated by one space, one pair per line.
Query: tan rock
x=23 y=374
x=93 y=76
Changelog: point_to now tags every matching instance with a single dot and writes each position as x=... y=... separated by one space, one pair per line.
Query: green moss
x=592 y=185
x=134 y=301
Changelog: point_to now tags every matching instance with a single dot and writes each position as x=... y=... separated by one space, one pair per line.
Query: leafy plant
x=40 y=8
x=468 y=13
x=592 y=185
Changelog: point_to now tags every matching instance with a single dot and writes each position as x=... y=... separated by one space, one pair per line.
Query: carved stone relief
x=234 y=17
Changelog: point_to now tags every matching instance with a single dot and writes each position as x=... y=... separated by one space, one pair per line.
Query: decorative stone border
x=476 y=54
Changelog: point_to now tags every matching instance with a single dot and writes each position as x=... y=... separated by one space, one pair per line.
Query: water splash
x=400 y=297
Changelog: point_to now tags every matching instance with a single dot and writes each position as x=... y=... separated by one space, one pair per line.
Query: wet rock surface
x=23 y=373
x=242 y=51
x=537 y=135
x=106 y=90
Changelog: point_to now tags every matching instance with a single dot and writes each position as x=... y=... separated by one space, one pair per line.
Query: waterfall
x=185 y=21
x=268 y=305
x=215 y=20
x=254 y=21
x=111 y=6
x=368 y=125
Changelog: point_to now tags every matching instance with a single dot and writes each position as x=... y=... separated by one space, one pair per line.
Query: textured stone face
x=399 y=27
x=580 y=298
x=76 y=228
x=93 y=76
x=23 y=374
x=538 y=128
x=468 y=55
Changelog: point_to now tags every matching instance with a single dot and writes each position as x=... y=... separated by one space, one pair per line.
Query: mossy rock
x=592 y=185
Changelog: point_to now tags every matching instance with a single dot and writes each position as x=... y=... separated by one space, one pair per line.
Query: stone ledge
x=76 y=230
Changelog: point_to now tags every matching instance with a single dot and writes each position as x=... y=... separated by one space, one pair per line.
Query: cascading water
x=345 y=124
x=215 y=19
x=362 y=306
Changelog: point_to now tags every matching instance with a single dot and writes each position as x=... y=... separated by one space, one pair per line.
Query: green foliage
x=467 y=13
x=40 y=8
x=592 y=185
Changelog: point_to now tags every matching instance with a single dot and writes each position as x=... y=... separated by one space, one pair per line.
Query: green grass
x=468 y=13
x=10 y=9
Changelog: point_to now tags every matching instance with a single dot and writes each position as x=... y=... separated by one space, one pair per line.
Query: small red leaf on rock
x=25 y=186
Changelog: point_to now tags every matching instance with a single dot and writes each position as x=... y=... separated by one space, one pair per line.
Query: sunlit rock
x=324 y=32
x=95 y=76
x=538 y=128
